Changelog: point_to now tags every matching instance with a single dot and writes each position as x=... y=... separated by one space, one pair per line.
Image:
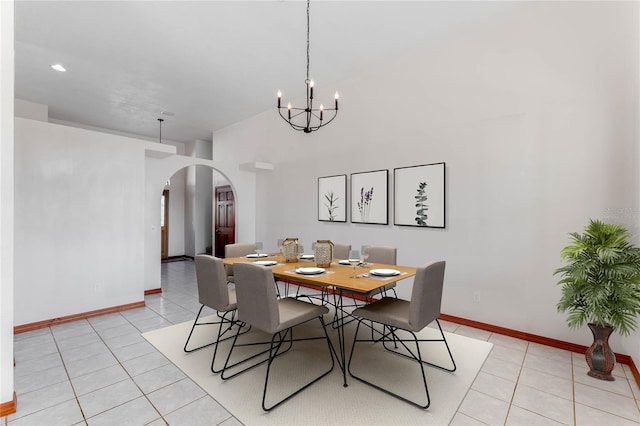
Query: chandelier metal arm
x=314 y=112
x=307 y=125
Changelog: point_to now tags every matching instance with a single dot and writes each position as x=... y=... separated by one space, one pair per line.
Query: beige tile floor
x=101 y=371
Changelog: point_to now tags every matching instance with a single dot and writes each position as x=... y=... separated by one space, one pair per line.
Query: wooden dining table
x=337 y=279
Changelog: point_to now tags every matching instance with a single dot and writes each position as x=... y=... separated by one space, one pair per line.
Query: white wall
x=198 y=200
x=176 y=206
x=203 y=209
x=35 y=111
x=190 y=212
x=176 y=213
x=31 y=110
x=88 y=205
x=204 y=199
x=6 y=200
x=79 y=220
x=536 y=118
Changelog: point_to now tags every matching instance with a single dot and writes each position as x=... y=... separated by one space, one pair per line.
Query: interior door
x=164 y=225
x=225 y=226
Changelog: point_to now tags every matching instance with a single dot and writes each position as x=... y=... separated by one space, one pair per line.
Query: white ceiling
x=211 y=63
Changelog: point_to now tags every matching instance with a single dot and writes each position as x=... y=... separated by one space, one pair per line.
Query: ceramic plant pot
x=599 y=355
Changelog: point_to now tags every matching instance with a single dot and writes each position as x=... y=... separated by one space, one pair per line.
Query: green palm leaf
x=601 y=280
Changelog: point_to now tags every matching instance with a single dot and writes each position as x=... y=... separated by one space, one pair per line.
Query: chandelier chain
x=308 y=6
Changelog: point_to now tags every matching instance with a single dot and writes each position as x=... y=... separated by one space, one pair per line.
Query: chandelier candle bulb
x=337 y=97
x=311 y=89
x=279 y=98
x=321 y=110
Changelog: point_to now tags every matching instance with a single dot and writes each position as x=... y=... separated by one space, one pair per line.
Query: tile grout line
x=475 y=390
x=64 y=365
x=231 y=416
x=453 y=331
x=573 y=392
x=186 y=377
x=515 y=388
x=68 y=378
x=41 y=388
x=126 y=371
x=632 y=382
x=603 y=390
x=162 y=417
x=75 y=396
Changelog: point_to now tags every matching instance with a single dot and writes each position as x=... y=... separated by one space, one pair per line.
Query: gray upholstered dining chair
x=386 y=255
x=236 y=250
x=341 y=251
x=377 y=254
x=214 y=293
x=383 y=254
x=411 y=316
x=259 y=307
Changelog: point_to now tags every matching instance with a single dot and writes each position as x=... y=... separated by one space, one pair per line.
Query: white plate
x=306 y=256
x=348 y=261
x=256 y=255
x=309 y=271
x=385 y=272
x=266 y=262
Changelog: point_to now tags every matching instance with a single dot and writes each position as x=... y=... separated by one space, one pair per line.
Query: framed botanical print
x=419 y=195
x=332 y=198
x=369 y=197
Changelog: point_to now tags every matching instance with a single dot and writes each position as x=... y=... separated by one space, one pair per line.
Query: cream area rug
x=328 y=402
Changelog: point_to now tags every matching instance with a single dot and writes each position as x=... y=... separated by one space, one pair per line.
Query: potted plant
x=601 y=286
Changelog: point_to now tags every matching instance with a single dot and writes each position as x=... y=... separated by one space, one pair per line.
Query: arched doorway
x=196 y=210
x=158 y=171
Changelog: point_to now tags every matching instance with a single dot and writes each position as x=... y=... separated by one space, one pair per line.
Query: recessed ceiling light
x=167 y=113
x=58 y=67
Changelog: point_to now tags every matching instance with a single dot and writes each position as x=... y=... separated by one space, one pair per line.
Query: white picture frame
x=370 y=197
x=419 y=196
x=332 y=196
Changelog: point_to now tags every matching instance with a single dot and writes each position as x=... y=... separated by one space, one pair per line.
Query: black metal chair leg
x=443 y=339
x=274 y=353
x=220 y=339
x=195 y=322
x=228 y=365
x=223 y=320
x=418 y=358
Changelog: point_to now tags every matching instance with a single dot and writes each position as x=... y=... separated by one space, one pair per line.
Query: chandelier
x=307 y=119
